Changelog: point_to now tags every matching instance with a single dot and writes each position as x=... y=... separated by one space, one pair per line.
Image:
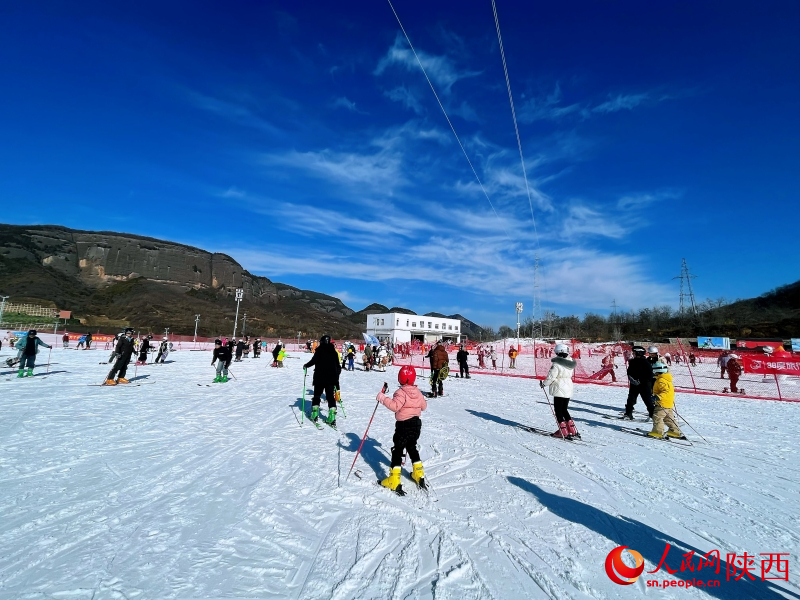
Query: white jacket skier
x=559 y=378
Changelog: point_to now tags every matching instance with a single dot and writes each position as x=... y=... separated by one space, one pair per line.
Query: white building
x=400 y=327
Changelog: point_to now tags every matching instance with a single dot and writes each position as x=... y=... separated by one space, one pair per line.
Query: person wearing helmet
x=123 y=351
x=144 y=348
x=512 y=355
x=640 y=378
x=257 y=347
x=462 y=357
x=559 y=378
x=407 y=404
x=28 y=345
x=163 y=350
x=326 y=377
x=664 y=403
x=351 y=357
x=275 y=351
x=222 y=356
x=734 y=368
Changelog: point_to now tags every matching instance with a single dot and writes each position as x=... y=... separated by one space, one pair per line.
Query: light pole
x=244 y=323
x=196 y=322
x=2 y=306
x=239 y=296
x=519 y=310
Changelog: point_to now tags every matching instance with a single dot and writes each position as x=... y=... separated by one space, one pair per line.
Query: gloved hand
x=385 y=387
x=541 y=384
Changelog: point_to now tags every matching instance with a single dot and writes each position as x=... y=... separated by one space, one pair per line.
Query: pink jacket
x=406 y=402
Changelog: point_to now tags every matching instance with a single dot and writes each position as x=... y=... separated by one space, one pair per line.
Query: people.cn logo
x=618 y=571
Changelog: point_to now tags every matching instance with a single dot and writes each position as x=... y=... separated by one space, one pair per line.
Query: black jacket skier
x=326 y=372
x=461 y=357
x=123 y=352
x=239 y=349
x=640 y=376
x=162 y=349
x=223 y=354
x=144 y=348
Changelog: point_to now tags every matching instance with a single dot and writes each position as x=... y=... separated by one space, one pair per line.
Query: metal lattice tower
x=687 y=294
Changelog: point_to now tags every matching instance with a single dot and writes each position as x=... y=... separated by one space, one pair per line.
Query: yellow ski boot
x=393 y=482
x=418 y=475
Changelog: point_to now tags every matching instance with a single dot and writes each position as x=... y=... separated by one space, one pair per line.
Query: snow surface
x=178 y=490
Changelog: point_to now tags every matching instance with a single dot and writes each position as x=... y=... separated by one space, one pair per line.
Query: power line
x=514 y=118
x=452 y=128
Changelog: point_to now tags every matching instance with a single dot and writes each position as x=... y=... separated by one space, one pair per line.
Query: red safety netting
x=605 y=364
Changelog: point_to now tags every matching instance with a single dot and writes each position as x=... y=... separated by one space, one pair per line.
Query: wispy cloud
x=620 y=102
x=344 y=102
x=546 y=108
x=405 y=97
x=232 y=111
x=582 y=222
x=441 y=69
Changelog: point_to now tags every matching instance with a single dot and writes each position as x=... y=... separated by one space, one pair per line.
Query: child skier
x=281 y=356
x=28 y=345
x=664 y=399
x=223 y=355
x=163 y=351
x=559 y=378
x=407 y=403
x=144 y=348
x=326 y=378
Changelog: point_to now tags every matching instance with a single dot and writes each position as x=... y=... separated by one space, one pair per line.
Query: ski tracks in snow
x=175 y=490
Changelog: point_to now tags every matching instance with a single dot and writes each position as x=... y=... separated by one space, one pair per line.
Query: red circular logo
x=618 y=571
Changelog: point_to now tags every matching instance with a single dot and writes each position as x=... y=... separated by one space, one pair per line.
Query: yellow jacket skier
x=664 y=400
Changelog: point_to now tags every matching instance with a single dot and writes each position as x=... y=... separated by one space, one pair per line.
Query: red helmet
x=407 y=375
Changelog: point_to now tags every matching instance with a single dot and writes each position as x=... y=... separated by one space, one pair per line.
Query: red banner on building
x=772 y=366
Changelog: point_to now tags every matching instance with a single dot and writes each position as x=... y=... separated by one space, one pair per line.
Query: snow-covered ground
x=179 y=490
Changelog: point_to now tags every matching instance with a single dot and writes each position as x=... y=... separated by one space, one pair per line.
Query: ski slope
x=177 y=490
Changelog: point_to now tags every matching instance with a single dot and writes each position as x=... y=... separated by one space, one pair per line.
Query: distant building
x=400 y=327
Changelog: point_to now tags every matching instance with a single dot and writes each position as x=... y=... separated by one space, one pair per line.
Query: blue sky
x=303 y=140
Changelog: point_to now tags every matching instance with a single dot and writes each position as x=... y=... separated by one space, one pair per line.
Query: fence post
x=688 y=364
x=778 y=384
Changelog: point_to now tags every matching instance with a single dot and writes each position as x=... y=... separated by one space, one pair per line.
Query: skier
x=559 y=378
x=734 y=369
x=81 y=343
x=664 y=399
x=722 y=363
x=407 y=403
x=113 y=355
x=368 y=357
x=257 y=348
x=144 y=348
x=439 y=360
x=493 y=356
x=246 y=348
x=640 y=377
x=163 y=351
x=239 y=349
x=88 y=341
x=668 y=356
x=281 y=357
x=461 y=357
x=692 y=359
x=65 y=340
x=326 y=375
x=512 y=354
x=275 y=351
x=28 y=345
x=124 y=351
x=382 y=357
x=223 y=355
x=351 y=357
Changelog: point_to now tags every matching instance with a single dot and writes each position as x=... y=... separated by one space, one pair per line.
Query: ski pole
x=362 y=441
x=231 y=372
x=303 y=396
x=338 y=395
x=689 y=424
x=554 y=413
